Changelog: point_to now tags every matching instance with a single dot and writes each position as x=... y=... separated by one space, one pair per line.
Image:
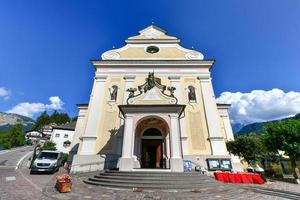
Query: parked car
x=47 y=161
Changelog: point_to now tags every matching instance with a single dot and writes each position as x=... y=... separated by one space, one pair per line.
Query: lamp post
x=34 y=152
x=278 y=155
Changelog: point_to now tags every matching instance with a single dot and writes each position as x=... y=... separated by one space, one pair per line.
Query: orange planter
x=63 y=186
x=63 y=183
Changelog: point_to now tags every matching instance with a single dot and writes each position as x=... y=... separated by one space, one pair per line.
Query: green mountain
x=258 y=127
x=8 y=120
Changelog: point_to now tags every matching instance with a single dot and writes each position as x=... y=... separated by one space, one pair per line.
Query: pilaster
x=126 y=162
x=212 y=117
x=95 y=106
x=129 y=80
x=175 y=82
x=176 y=156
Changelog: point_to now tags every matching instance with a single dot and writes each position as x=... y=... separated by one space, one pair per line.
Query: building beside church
x=152 y=106
x=62 y=136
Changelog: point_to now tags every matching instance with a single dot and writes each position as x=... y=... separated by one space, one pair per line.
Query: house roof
x=68 y=126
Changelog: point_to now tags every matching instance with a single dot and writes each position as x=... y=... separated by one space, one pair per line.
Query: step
x=152 y=180
x=142 y=181
x=154 y=186
x=173 y=178
x=140 y=174
x=152 y=172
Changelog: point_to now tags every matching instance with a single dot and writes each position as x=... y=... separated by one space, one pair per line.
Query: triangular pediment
x=153 y=96
x=152 y=32
x=140 y=47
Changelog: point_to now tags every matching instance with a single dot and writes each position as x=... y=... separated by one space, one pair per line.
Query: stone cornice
x=223 y=105
x=152 y=41
x=129 y=77
x=100 y=77
x=204 y=77
x=134 y=63
x=174 y=77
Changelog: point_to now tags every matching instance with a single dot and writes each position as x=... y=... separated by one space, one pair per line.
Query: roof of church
x=152 y=43
x=152 y=34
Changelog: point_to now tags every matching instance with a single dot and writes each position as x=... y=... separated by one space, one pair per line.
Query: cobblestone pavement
x=19 y=185
x=81 y=190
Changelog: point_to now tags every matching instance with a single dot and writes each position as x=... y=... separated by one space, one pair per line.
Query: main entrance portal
x=152 y=143
x=151 y=138
x=152 y=149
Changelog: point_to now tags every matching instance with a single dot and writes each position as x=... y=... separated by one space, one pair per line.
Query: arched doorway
x=152 y=149
x=152 y=143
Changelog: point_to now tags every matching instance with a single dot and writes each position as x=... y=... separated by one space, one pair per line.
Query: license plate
x=41 y=170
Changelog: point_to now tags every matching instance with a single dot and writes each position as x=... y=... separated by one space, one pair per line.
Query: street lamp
x=34 y=152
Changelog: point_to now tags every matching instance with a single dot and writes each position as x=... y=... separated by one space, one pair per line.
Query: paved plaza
x=18 y=184
x=274 y=190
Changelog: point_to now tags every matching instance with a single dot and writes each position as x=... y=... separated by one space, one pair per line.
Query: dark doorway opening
x=152 y=149
x=152 y=153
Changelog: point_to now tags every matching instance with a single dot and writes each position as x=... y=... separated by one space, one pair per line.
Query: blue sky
x=45 y=46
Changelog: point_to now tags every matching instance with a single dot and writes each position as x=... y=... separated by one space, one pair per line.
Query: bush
x=48 y=145
x=28 y=142
x=64 y=158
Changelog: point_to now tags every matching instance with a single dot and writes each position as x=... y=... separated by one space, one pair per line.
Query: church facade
x=152 y=106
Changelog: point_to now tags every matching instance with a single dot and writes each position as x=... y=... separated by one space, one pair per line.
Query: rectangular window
x=57 y=135
x=66 y=136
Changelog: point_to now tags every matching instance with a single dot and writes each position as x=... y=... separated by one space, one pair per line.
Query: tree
x=59 y=118
x=48 y=145
x=248 y=147
x=55 y=118
x=284 y=136
x=4 y=140
x=13 y=138
x=42 y=120
x=17 y=137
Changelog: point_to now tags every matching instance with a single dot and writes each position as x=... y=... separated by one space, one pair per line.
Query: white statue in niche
x=113 y=93
x=191 y=94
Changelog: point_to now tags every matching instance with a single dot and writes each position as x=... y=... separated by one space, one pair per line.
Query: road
x=10 y=158
x=18 y=183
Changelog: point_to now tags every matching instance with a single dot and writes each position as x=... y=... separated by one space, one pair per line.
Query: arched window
x=191 y=94
x=113 y=93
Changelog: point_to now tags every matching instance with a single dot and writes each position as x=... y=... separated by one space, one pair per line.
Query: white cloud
x=4 y=93
x=261 y=105
x=30 y=109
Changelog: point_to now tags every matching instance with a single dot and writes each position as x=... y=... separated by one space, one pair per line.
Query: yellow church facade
x=152 y=107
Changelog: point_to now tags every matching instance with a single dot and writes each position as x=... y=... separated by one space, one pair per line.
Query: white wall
x=58 y=137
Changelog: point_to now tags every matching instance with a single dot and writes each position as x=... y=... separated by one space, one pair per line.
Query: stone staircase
x=152 y=180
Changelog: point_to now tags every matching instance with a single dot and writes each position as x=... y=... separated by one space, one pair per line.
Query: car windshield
x=48 y=155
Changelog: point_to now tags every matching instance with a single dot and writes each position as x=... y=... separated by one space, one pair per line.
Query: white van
x=47 y=161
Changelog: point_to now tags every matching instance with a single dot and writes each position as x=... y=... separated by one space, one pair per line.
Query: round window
x=152 y=49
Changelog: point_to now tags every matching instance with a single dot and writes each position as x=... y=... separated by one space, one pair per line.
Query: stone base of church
x=176 y=164
x=201 y=160
x=88 y=163
x=126 y=164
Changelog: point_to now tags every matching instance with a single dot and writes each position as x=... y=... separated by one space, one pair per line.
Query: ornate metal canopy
x=151 y=82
